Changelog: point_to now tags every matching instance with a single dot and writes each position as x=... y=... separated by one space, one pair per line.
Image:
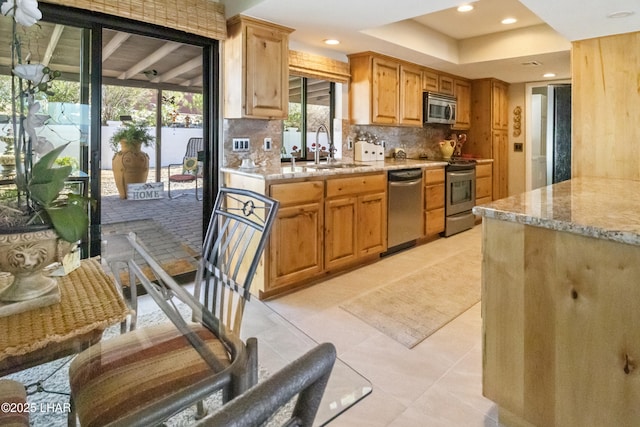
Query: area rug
x=50 y=407
x=175 y=257
x=415 y=306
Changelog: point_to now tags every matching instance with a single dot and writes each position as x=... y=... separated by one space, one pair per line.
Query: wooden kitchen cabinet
x=484 y=184
x=445 y=85
x=355 y=219
x=488 y=137
x=500 y=151
x=256 y=62
x=434 y=201
x=430 y=81
x=385 y=91
x=410 y=95
x=462 y=92
x=500 y=105
x=296 y=242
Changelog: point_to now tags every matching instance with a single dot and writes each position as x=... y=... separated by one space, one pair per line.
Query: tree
x=122 y=100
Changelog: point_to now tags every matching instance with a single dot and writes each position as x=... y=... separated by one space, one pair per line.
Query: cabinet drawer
x=434 y=222
x=483 y=170
x=297 y=192
x=483 y=187
x=434 y=176
x=356 y=185
x=434 y=197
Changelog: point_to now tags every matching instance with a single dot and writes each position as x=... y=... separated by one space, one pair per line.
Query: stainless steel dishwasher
x=404 y=214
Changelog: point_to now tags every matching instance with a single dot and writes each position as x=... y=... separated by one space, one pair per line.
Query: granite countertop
x=595 y=207
x=306 y=169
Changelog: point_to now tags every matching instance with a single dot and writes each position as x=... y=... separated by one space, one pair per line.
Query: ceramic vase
x=130 y=166
x=25 y=255
x=447 y=148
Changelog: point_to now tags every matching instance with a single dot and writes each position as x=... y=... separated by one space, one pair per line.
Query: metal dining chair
x=191 y=167
x=145 y=376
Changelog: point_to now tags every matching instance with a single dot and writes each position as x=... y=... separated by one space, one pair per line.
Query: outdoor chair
x=306 y=377
x=190 y=167
x=144 y=376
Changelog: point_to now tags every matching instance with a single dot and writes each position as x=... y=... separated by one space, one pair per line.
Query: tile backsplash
x=416 y=141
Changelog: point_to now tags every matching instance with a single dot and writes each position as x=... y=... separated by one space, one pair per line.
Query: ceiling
x=434 y=34
x=429 y=33
x=127 y=59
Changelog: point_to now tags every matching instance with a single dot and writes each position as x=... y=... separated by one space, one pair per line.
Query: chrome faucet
x=332 y=148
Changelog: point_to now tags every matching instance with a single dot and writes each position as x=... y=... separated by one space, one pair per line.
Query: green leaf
x=46 y=187
x=70 y=222
x=47 y=161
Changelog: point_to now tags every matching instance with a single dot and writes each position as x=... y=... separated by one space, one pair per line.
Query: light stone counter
x=306 y=169
x=595 y=207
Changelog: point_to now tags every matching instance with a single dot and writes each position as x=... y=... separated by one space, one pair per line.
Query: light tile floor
x=437 y=383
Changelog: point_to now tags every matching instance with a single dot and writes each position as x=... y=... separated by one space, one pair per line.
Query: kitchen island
x=560 y=298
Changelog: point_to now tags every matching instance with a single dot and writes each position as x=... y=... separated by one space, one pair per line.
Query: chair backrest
x=232 y=248
x=194 y=145
x=306 y=377
x=233 y=245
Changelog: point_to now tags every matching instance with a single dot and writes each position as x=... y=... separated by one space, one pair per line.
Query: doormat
x=415 y=306
x=175 y=257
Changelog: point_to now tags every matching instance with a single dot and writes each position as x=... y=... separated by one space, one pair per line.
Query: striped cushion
x=13 y=393
x=125 y=374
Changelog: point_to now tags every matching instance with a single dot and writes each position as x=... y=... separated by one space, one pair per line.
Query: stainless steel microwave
x=439 y=108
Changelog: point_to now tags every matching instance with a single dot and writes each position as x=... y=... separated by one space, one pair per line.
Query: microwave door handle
x=448 y=111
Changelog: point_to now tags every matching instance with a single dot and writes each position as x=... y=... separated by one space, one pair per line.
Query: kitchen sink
x=334 y=165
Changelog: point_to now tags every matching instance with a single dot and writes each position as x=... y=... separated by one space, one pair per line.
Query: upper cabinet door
x=410 y=95
x=256 y=69
x=462 y=91
x=384 y=108
x=267 y=73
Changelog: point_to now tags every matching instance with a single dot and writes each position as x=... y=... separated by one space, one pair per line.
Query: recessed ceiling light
x=508 y=21
x=331 y=41
x=465 y=8
x=620 y=14
x=549 y=75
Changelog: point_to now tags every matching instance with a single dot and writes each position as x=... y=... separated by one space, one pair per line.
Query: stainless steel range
x=460 y=195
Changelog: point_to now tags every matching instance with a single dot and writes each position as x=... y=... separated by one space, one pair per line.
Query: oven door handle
x=461 y=173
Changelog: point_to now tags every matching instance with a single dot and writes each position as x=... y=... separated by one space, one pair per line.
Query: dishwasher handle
x=405 y=183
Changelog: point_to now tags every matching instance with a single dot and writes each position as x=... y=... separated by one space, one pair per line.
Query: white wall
x=174 y=144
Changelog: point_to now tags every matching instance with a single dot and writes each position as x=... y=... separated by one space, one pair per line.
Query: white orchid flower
x=25 y=12
x=31 y=72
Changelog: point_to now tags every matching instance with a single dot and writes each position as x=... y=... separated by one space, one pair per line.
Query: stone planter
x=130 y=166
x=25 y=254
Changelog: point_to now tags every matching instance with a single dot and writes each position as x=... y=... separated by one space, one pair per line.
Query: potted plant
x=39 y=224
x=130 y=164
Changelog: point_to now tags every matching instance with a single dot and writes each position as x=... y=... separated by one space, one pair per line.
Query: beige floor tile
x=438 y=382
x=376 y=410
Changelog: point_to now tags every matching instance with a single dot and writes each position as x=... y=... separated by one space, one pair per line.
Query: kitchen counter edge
x=277 y=172
x=594 y=207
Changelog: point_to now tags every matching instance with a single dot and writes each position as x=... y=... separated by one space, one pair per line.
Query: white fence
x=172 y=148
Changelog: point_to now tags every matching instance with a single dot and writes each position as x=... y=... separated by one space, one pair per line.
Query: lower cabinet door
x=340 y=231
x=372 y=224
x=296 y=244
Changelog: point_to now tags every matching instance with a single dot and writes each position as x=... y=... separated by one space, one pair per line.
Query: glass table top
x=280 y=342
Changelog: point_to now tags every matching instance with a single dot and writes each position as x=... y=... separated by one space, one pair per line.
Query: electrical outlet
x=517 y=147
x=349 y=143
x=267 y=144
x=240 y=144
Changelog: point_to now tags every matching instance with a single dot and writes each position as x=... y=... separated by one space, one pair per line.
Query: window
x=311 y=105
